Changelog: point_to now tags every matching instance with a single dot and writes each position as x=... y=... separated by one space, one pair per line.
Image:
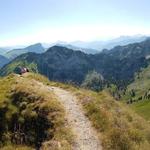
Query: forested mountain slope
x=117 y=66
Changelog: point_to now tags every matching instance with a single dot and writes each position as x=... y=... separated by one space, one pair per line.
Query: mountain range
x=37 y=48
x=117 y=65
x=86 y=47
x=97 y=46
x=109 y=44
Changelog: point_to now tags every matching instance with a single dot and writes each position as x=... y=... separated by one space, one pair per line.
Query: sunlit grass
x=118 y=127
x=29 y=99
x=142 y=108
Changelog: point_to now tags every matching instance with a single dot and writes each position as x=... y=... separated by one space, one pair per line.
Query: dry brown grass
x=36 y=100
x=118 y=127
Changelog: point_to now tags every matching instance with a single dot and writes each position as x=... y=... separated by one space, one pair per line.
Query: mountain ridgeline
x=117 y=65
x=109 y=44
x=36 y=48
x=3 y=61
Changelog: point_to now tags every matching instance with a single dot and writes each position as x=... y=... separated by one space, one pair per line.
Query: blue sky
x=31 y=21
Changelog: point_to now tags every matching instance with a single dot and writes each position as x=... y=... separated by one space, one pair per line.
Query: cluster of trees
x=94 y=81
x=133 y=97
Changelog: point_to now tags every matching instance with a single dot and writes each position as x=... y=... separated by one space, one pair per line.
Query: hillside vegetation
x=24 y=62
x=118 y=127
x=138 y=93
x=31 y=115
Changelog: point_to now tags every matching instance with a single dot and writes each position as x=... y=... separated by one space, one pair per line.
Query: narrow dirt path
x=86 y=138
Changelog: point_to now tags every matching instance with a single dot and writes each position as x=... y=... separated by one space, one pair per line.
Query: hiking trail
x=85 y=135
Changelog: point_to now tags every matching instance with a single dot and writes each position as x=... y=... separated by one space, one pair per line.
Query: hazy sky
x=30 y=21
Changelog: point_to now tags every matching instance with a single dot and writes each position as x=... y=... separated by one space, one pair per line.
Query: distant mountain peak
x=36 y=44
x=59 y=49
x=35 y=48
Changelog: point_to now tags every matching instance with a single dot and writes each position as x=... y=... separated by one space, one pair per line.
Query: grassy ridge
x=13 y=67
x=31 y=115
x=118 y=127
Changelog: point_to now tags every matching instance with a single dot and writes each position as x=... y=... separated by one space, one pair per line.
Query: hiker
x=23 y=70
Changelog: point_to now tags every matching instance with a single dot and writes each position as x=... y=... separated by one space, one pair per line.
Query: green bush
x=93 y=81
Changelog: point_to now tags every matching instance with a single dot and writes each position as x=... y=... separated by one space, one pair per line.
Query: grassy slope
x=118 y=127
x=26 y=103
x=141 y=86
x=142 y=108
x=141 y=83
x=12 y=66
